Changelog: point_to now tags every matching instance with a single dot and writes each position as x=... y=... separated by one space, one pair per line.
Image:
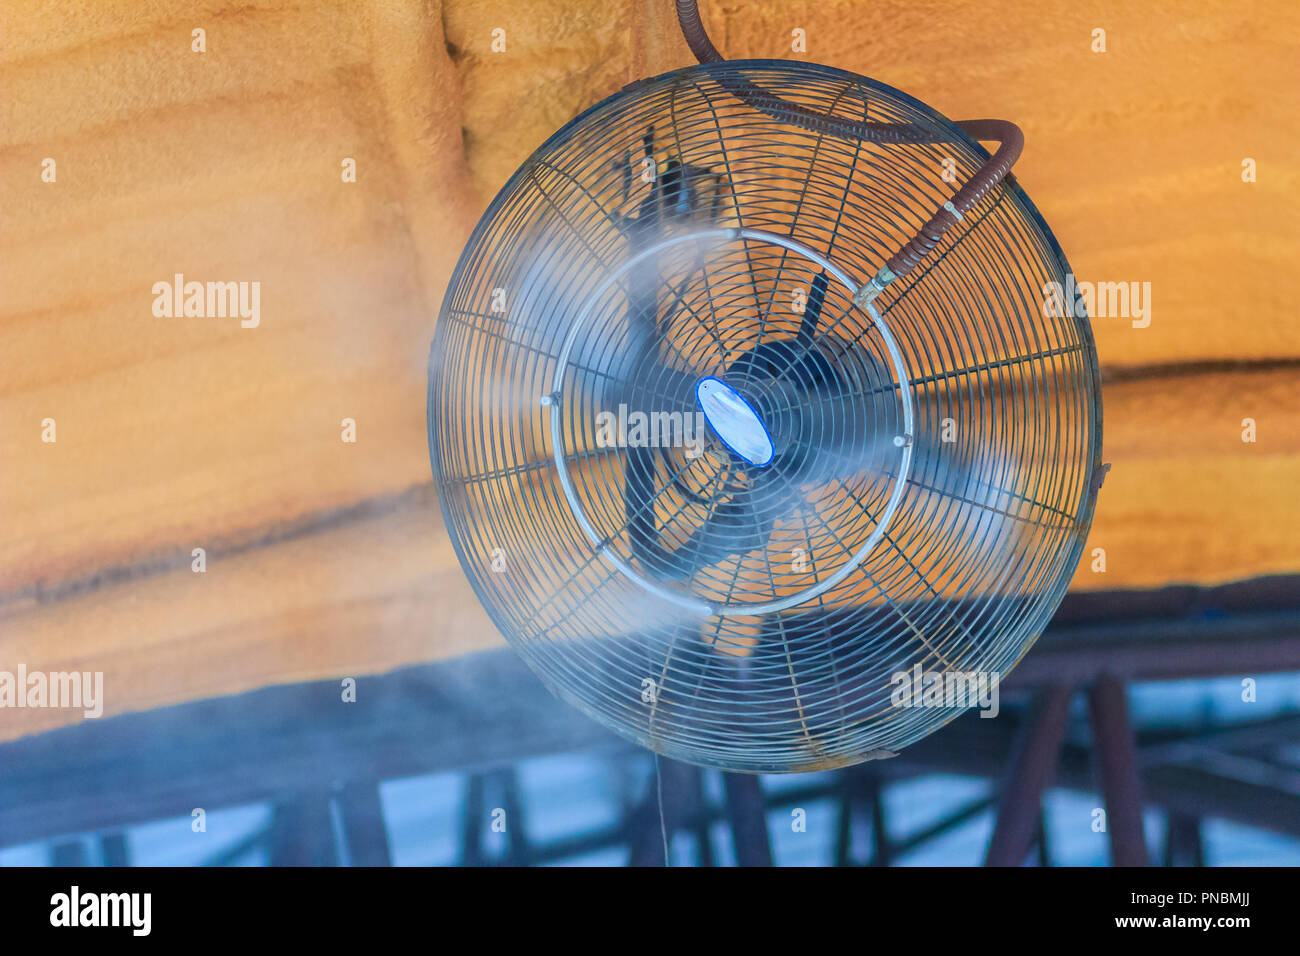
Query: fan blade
x=812 y=312
x=735 y=527
x=625 y=172
x=627 y=359
x=638 y=502
x=741 y=523
x=843 y=425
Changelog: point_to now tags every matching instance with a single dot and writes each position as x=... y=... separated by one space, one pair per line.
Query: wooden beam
x=1037 y=750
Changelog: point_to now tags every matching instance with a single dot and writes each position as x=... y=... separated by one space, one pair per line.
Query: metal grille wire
x=622 y=574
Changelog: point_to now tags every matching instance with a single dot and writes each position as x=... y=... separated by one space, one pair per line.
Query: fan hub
x=734 y=421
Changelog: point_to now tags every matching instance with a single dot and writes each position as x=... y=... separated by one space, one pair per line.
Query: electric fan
x=745 y=406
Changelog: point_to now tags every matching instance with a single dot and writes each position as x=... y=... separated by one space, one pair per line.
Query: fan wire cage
x=719 y=492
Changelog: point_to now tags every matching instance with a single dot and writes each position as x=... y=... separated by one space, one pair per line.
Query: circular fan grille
x=711 y=500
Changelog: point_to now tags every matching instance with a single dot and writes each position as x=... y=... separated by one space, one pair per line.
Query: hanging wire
x=663 y=823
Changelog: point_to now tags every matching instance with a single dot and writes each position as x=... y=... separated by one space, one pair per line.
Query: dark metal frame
x=319 y=760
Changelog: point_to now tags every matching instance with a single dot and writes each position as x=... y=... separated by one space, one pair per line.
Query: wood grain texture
x=328 y=558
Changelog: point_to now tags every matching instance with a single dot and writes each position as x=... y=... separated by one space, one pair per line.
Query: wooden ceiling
x=329 y=559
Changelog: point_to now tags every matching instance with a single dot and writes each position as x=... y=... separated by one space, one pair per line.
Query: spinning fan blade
x=639 y=496
x=740 y=523
x=812 y=312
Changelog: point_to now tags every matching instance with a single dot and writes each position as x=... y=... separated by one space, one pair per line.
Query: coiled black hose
x=1009 y=137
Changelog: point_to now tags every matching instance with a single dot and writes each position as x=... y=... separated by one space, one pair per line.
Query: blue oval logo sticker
x=734 y=421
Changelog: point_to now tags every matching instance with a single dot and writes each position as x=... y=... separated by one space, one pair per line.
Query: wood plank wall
x=329 y=559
